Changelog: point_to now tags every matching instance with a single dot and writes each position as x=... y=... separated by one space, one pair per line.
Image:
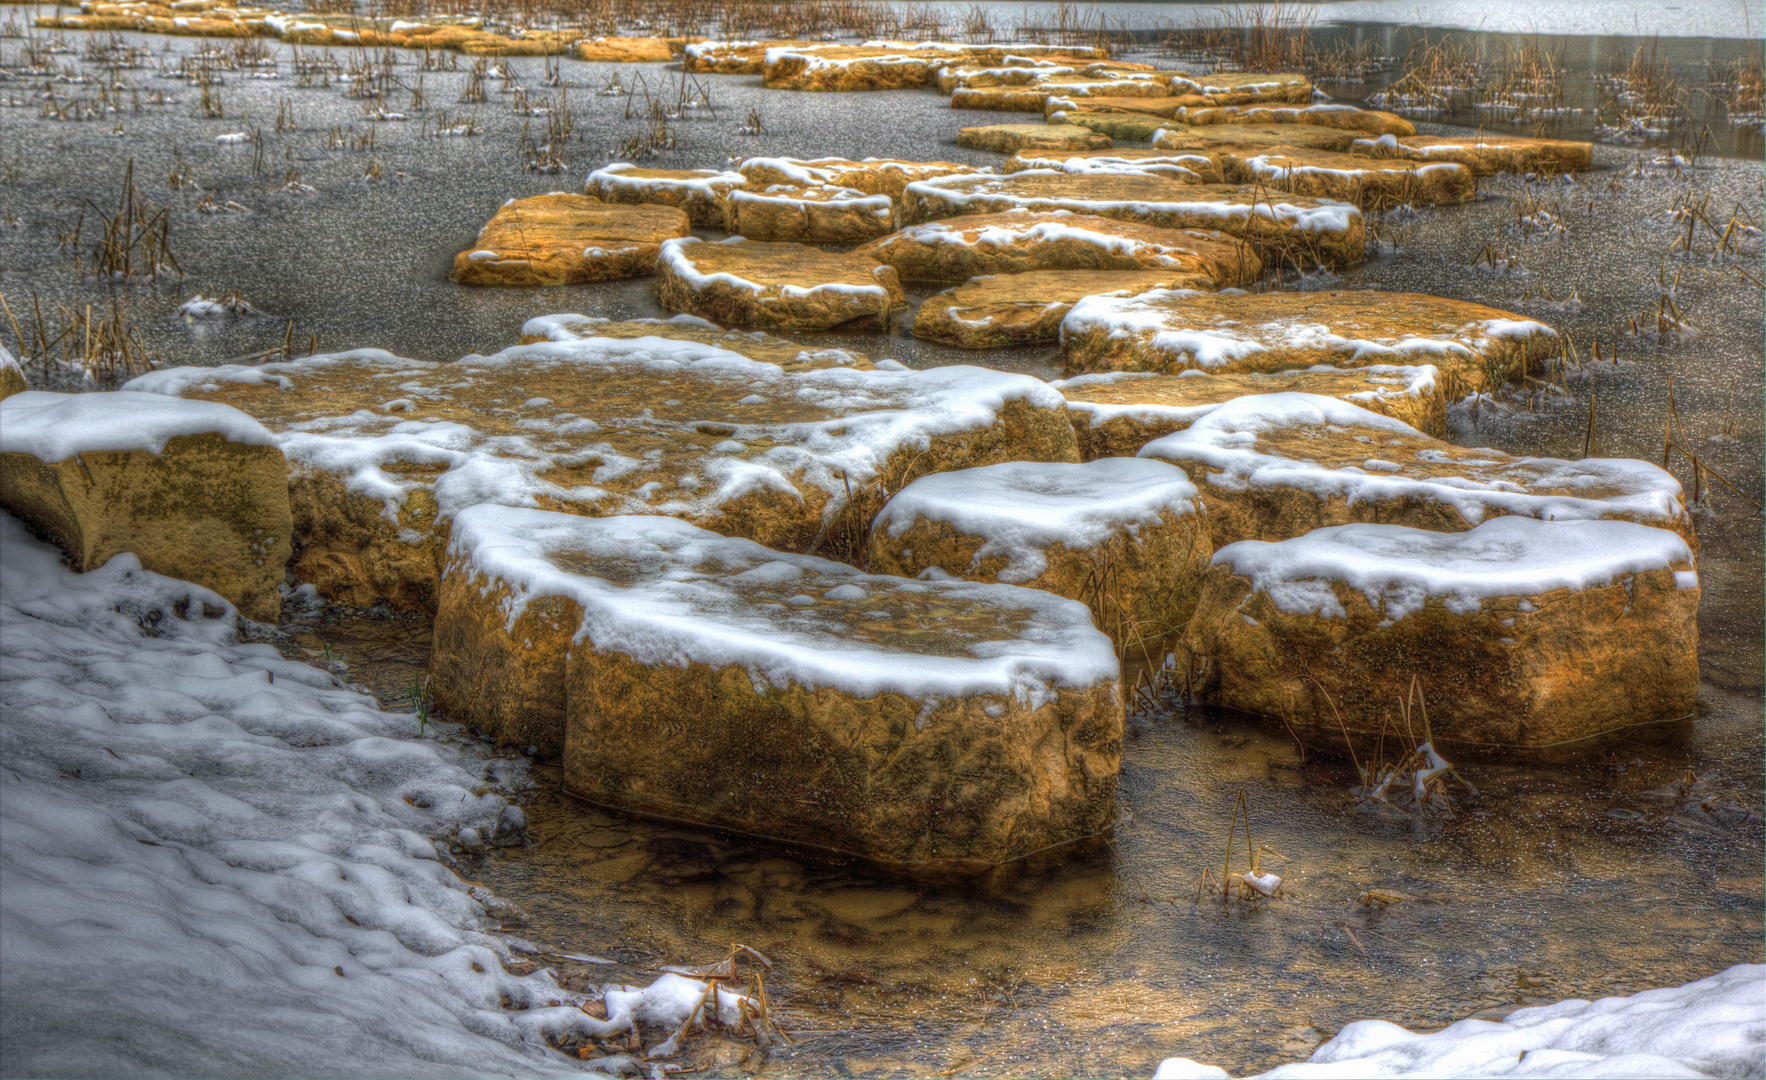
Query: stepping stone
x=1129 y=125
x=1242 y=88
x=1108 y=83
x=1005 y=138
x=1543 y=639
x=1173 y=165
x=1167 y=108
x=651 y=418
x=561 y=239
x=1022 y=309
x=1018 y=241
x=1340 y=117
x=817 y=215
x=624 y=50
x=1277 y=466
x=699 y=192
x=1359 y=180
x=1122 y=535
x=197 y=491
x=1116 y=414
x=930 y=727
x=889 y=65
x=788 y=356
x=751 y=283
x=1476 y=347
x=1250 y=138
x=1028 y=99
x=1018 y=71
x=12 y=375
x=1330 y=232
x=1485 y=155
x=734 y=57
x=873 y=176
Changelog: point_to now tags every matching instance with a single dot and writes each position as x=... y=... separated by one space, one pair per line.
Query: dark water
x=1554 y=882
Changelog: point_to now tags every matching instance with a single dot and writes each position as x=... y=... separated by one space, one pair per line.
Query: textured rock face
x=873 y=176
x=816 y=214
x=750 y=283
x=1329 y=231
x=889 y=65
x=1006 y=138
x=601 y=419
x=698 y=192
x=1486 y=155
x=1474 y=346
x=1272 y=138
x=1183 y=167
x=1118 y=122
x=1118 y=413
x=1530 y=638
x=1027 y=99
x=1371 y=185
x=932 y=727
x=1021 y=309
x=625 y=50
x=12 y=375
x=1168 y=108
x=567 y=240
x=733 y=57
x=1244 y=88
x=1026 y=71
x=204 y=507
x=1341 y=117
x=1016 y=242
x=1122 y=536
x=1278 y=466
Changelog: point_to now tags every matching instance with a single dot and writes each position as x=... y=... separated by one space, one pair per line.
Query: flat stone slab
x=1277 y=466
x=1025 y=71
x=1185 y=168
x=818 y=214
x=1369 y=184
x=1244 y=88
x=1475 y=346
x=562 y=239
x=772 y=286
x=1022 y=309
x=734 y=57
x=1340 y=117
x=1485 y=155
x=1028 y=99
x=195 y=490
x=783 y=353
x=1006 y=138
x=625 y=50
x=1168 y=108
x=651 y=418
x=931 y=727
x=1018 y=241
x=1238 y=138
x=1117 y=413
x=1330 y=231
x=889 y=65
x=1118 y=122
x=1538 y=639
x=699 y=192
x=1123 y=536
x=873 y=176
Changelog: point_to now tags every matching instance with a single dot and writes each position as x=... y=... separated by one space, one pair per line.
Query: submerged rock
x=1531 y=638
x=699 y=192
x=196 y=491
x=776 y=285
x=562 y=239
x=931 y=727
x=1006 y=138
x=1123 y=536
x=1019 y=309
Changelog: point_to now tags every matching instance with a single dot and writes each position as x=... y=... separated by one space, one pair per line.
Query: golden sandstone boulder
x=733 y=57
x=1329 y=232
x=1534 y=638
x=1117 y=121
x=1485 y=155
x=699 y=192
x=1121 y=535
x=1341 y=117
x=931 y=727
x=1020 y=309
x=624 y=50
x=1176 y=165
x=1028 y=99
x=817 y=215
x=784 y=354
x=1018 y=241
x=1278 y=466
x=1368 y=184
x=888 y=65
x=750 y=283
x=1006 y=138
x=1251 y=138
x=873 y=176
x=663 y=418
x=1244 y=88
x=1474 y=345
x=1117 y=413
x=561 y=239
x=1025 y=71
x=196 y=491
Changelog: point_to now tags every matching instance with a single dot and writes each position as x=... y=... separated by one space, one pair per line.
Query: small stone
x=471 y=840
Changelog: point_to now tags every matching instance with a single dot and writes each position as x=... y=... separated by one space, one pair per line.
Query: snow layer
x=1394 y=381
x=1712 y=1027
x=668 y=593
x=710 y=184
x=1400 y=569
x=1024 y=508
x=54 y=427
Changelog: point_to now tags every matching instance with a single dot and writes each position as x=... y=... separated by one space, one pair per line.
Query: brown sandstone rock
x=1177 y=165
x=733 y=57
x=1020 y=309
x=1024 y=71
x=873 y=176
x=817 y=214
x=1131 y=125
x=1251 y=138
x=1341 y=117
x=563 y=239
x=1359 y=180
x=699 y=192
x=624 y=50
x=787 y=355
x=1486 y=155
x=1167 y=108
x=890 y=65
x=750 y=283
x=999 y=98
x=1244 y=88
x=1005 y=138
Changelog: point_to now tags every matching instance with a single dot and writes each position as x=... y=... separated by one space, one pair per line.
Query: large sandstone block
x=1024 y=71
x=1277 y=466
x=1341 y=117
x=562 y=239
x=599 y=419
x=1485 y=155
x=1476 y=346
x=1022 y=309
x=1123 y=536
x=1167 y=108
x=932 y=727
x=1187 y=168
x=1373 y=186
x=817 y=214
x=625 y=50
x=698 y=192
x=1248 y=138
x=733 y=57
x=196 y=491
x=1019 y=241
x=751 y=283
x=1117 y=121
x=1028 y=99
x=888 y=65
x=1006 y=138
x=1541 y=639
x=873 y=176
x=1117 y=413
x=1244 y=88
x=1330 y=232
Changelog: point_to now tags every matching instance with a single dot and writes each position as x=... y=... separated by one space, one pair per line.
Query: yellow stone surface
x=567 y=240
x=1006 y=138
x=699 y=192
x=1251 y=138
x=751 y=283
x=814 y=215
x=888 y=65
x=1021 y=309
x=1486 y=155
x=1341 y=117
x=1244 y=88
x=1371 y=185
x=873 y=176
x=1177 y=165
